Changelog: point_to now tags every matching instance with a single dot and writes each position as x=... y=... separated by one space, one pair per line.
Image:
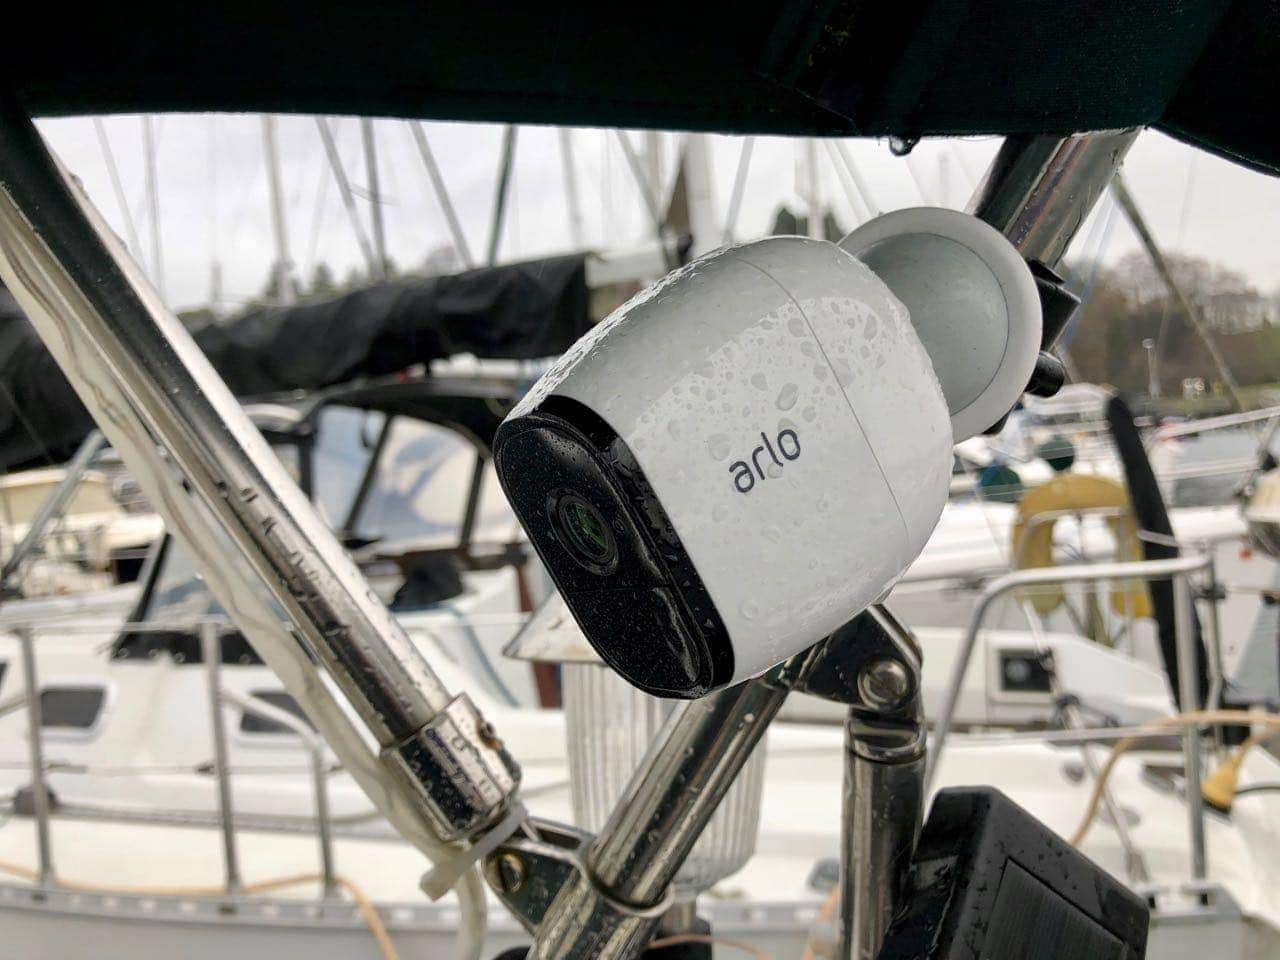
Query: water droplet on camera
x=787 y=396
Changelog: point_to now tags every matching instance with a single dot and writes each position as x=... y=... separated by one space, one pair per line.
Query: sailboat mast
x=153 y=205
x=571 y=187
x=703 y=223
x=812 y=188
x=283 y=269
x=460 y=246
x=375 y=195
x=344 y=191
x=500 y=193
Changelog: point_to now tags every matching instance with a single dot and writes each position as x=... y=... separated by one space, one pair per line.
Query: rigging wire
x=739 y=187
x=853 y=192
x=150 y=143
x=113 y=173
x=317 y=223
x=1183 y=217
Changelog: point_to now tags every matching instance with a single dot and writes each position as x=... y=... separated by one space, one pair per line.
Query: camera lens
x=585 y=533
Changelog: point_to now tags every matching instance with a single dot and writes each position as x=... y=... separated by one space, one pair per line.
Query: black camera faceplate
x=646 y=613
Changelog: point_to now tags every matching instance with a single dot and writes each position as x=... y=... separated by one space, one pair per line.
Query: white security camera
x=734 y=463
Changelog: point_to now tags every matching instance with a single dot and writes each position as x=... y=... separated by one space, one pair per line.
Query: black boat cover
x=1203 y=70
x=520 y=311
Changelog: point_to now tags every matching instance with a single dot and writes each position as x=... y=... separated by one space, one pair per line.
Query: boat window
x=418 y=494
x=419 y=487
x=346 y=439
x=179 y=594
x=252 y=723
x=1219 y=457
x=71 y=707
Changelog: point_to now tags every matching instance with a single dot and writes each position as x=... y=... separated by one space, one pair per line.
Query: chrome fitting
x=587 y=924
x=460 y=769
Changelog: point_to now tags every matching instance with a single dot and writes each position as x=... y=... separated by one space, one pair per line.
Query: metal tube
x=225 y=496
x=324 y=825
x=35 y=745
x=442 y=194
x=1135 y=864
x=1077 y=573
x=113 y=173
x=647 y=195
x=739 y=188
x=1040 y=189
x=1189 y=694
x=279 y=225
x=677 y=788
x=669 y=800
x=856 y=203
x=571 y=187
x=211 y=650
x=55 y=505
x=881 y=814
x=1189 y=310
x=1213 y=632
x=500 y=193
x=864 y=189
x=370 y=475
x=375 y=196
x=812 y=188
x=344 y=190
x=472 y=508
x=319 y=775
x=153 y=203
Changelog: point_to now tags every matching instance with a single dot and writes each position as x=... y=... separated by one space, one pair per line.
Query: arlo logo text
x=787 y=443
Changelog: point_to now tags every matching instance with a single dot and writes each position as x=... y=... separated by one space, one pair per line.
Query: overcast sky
x=214 y=207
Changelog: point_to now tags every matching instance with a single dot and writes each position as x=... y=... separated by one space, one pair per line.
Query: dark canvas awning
x=1203 y=70
x=520 y=311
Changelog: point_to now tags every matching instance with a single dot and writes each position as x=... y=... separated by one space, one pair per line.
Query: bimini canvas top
x=1202 y=70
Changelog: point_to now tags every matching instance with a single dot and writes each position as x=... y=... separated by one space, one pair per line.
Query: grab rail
x=1177 y=569
x=210 y=633
x=319 y=775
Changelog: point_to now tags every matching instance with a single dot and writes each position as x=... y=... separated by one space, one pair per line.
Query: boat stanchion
x=1189 y=695
x=211 y=652
x=35 y=745
x=253 y=706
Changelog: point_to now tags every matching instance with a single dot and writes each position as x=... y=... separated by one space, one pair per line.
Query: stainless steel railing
x=210 y=633
x=1177 y=569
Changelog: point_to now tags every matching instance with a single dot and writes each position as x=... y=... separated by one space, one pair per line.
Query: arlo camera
x=740 y=458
